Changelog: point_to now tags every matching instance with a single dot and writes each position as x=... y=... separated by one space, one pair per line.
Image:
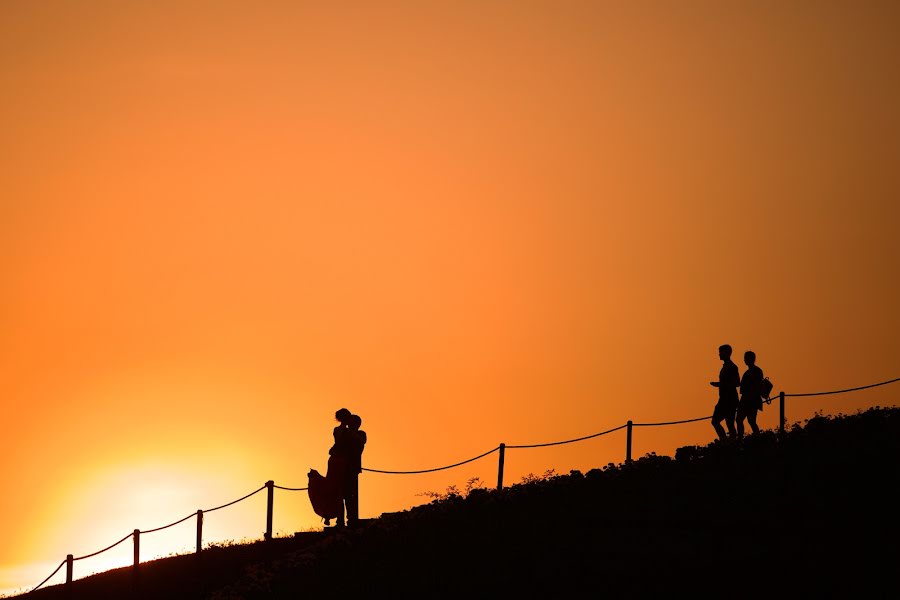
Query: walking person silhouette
x=729 y=381
x=751 y=395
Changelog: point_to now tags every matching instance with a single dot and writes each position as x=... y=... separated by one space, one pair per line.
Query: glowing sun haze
x=469 y=222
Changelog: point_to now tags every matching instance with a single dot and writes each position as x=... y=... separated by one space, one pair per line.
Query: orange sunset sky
x=469 y=222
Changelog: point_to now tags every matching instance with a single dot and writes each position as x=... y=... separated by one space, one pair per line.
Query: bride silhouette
x=327 y=493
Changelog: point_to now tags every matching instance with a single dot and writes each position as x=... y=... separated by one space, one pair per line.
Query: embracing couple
x=340 y=486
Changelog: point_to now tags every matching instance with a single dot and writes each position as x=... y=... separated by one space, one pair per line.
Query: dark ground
x=812 y=515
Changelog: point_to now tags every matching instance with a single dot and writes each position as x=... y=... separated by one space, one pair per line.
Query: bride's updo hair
x=343 y=415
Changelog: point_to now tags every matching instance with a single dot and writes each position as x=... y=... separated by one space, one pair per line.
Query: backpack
x=765 y=389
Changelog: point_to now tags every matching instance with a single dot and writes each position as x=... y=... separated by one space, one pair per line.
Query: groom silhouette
x=357 y=439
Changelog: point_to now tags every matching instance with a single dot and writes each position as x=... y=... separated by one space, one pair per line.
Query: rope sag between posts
x=491 y=451
x=290 y=489
x=49 y=576
x=170 y=524
x=865 y=387
x=235 y=501
x=587 y=437
x=671 y=422
x=110 y=547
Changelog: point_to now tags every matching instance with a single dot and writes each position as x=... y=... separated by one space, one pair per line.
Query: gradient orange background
x=469 y=222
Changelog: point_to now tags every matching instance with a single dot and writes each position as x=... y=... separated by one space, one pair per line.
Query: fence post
x=137 y=548
x=271 y=485
x=781 y=414
x=199 y=530
x=500 y=466
x=628 y=444
x=69 y=560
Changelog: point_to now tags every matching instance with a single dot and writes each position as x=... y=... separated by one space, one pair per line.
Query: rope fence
x=856 y=389
x=169 y=525
x=270 y=485
x=241 y=499
x=110 y=547
x=50 y=576
x=572 y=441
x=671 y=422
x=491 y=451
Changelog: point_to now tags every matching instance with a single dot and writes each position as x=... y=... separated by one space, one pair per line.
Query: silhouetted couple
x=729 y=405
x=340 y=486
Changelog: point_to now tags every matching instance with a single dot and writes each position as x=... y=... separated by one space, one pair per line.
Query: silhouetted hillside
x=814 y=514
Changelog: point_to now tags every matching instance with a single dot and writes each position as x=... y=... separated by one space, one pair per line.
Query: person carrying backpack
x=751 y=394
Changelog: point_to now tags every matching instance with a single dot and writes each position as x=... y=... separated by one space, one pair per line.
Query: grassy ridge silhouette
x=813 y=513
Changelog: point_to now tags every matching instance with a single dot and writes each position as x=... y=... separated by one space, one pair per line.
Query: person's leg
x=340 y=489
x=739 y=418
x=348 y=496
x=751 y=418
x=717 y=425
x=353 y=499
x=729 y=420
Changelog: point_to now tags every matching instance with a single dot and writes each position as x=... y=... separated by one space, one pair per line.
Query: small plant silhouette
x=545 y=476
x=453 y=491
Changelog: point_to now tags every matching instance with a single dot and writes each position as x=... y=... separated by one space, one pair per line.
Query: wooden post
x=69 y=560
x=781 y=416
x=137 y=548
x=271 y=485
x=500 y=466
x=628 y=444
x=199 y=530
